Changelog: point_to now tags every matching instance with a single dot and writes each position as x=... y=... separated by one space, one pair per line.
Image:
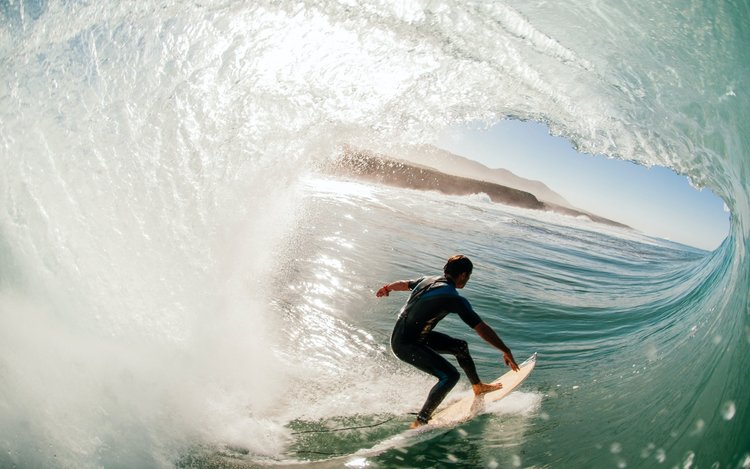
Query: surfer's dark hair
x=457 y=265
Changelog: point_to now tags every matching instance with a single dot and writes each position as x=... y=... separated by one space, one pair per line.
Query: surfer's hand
x=384 y=290
x=510 y=361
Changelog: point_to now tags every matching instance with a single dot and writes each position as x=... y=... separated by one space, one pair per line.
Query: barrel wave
x=179 y=286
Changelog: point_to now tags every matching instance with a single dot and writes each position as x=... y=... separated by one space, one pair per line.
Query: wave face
x=162 y=264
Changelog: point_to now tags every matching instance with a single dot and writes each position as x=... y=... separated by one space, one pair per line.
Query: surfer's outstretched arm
x=490 y=336
x=399 y=285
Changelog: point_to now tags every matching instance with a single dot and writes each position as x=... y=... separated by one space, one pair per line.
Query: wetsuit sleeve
x=467 y=314
x=415 y=282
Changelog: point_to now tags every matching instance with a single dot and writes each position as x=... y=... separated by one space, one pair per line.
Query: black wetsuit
x=414 y=341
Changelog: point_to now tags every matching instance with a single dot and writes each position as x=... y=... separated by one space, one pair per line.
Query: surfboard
x=454 y=413
x=470 y=406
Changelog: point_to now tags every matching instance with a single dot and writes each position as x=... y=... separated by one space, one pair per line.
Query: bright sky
x=655 y=201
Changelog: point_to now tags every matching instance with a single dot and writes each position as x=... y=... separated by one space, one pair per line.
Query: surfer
x=415 y=342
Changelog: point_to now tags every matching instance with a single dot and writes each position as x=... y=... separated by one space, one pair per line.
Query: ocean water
x=179 y=287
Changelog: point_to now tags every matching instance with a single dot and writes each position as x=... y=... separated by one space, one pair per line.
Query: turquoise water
x=178 y=287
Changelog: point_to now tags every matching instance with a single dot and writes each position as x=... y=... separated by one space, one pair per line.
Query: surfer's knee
x=461 y=348
x=450 y=378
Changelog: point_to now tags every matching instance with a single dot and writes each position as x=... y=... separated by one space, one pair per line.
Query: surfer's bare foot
x=482 y=388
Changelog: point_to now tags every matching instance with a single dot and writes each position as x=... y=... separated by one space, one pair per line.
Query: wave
x=152 y=157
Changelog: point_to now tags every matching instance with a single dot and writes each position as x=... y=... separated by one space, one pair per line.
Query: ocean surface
x=181 y=287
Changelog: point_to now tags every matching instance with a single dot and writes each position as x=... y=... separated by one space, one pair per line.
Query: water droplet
x=661 y=456
x=516 y=460
x=699 y=426
x=646 y=452
x=615 y=448
x=689 y=458
x=728 y=410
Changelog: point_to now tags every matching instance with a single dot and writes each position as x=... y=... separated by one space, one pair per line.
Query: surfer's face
x=462 y=279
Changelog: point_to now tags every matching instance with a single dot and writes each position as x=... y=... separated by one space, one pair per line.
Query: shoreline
x=381 y=169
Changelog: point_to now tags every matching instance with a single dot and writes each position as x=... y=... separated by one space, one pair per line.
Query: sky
x=655 y=201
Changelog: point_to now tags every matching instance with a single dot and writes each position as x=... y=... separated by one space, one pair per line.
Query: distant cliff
x=375 y=168
x=447 y=162
x=380 y=169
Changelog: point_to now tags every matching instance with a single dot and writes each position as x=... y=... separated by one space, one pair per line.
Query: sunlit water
x=177 y=288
